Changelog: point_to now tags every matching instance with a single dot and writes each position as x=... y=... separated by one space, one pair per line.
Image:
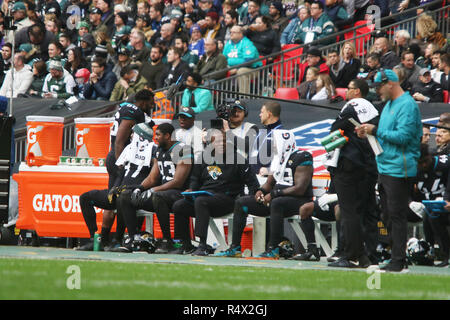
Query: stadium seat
x=287 y=94
x=446 y=96
x=360 y=41
x=342 y=92
x=288 y=67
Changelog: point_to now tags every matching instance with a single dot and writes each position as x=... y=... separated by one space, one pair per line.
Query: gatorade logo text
x=79 y=138
x=31 y=135
x=57 y=203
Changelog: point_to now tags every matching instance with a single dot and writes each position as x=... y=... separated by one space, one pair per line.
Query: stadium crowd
x=113 y=51
x=109 y=50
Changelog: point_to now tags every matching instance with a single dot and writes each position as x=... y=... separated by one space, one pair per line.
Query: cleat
x=184 y=249
x=271 y=253
x=234 y=252
x=202 y=251
x=165 y=246
x=395 y=266
x=312 y=254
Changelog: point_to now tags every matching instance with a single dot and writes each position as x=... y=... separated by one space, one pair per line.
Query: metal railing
x=263 y=81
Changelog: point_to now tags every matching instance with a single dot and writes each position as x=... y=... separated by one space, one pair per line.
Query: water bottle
x=335 y=144
x=97 y=240
x=331 y=137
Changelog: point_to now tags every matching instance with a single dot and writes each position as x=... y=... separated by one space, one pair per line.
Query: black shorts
x=325 y=215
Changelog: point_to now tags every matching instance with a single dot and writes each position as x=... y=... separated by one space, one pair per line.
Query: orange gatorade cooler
x=92 y=137
x=44 y=140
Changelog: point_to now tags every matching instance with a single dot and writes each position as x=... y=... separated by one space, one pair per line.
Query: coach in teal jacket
x=399 y=133
x=240 y=49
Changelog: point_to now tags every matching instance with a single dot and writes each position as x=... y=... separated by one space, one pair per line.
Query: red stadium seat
x=446 y=96
x=361 y=41
x=288 y=66
x=342 y=92
x=287 y=93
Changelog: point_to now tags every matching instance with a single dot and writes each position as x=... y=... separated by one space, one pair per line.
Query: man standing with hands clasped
x=399 y=133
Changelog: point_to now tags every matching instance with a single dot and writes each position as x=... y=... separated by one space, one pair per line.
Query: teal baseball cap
x=383 y=76
x=19 y=6
x=25 y=47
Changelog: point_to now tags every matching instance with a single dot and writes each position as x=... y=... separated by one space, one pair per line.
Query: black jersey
x=168 y=159
x=137 y=160
x=432 y=183
x=223 y=178
x=127 y=111
x=297 y=159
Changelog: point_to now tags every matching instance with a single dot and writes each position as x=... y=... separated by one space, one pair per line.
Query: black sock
x=203 y=241
x=105 y=234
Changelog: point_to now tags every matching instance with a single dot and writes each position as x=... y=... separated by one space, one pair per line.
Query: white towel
x=285 y=145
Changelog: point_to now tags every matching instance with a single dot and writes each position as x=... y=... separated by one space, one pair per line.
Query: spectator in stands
x=6 y=60
x=196 y=98
x=252 y=12
x=39 y=74
x=75 y=61
x=214 y=28
x=81 y=78
x=143 y=24
x=122 y=35
x=324 y=87
x=238 y=51
x=411 y=69
x=426 y=29
x=83 y=28
x=307 y=89
x=197 y=43
x=356 y=9
x=95 y=19
x=66 y=42
x=230 y=20
x=279 y=21
x=293 y=29
x=12 y=87
x=152 y=70
x=444 y=66
x=337 y=14
x=55 y=50
x=57 y=84
x=38 y=37
x=165 y=37
x=204 y=7
x=53 y=25
x=107 y=15
x=101 y=81
x=213 y=60
x=19 y=12
x=188 y=20
x=122 y=59
x=156 y=13
x=404 y=83
x=264 y=37
x=388 y=59
x=87 y=44
x=130 y=82
x=143 y=8
x=139 y=52
x=435 y=71
x=182 y=42
x=316 y=27
x=175 y=70
x=426 y=60
x=313 y=59
x=427 y=90
x=401 y=39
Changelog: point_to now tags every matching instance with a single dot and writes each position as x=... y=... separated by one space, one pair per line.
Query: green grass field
x=46 y=279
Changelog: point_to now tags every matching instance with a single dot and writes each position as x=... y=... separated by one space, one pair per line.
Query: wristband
x=276 y=193
x=262 y=190
x=374 y=131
